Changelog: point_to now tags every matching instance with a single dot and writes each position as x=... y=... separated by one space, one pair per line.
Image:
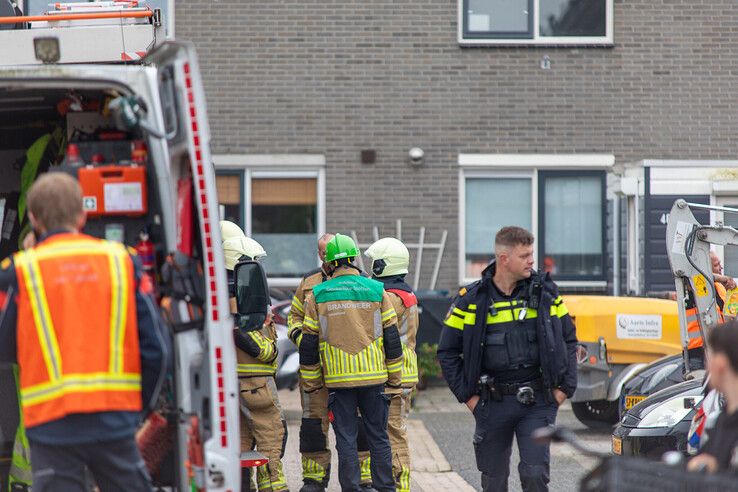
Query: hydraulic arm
x=688 y=248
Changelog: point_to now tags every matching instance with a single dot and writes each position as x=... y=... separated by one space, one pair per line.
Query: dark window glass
x=284 y=215
x=573 y=17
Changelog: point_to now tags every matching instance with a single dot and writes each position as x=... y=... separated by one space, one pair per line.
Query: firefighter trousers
x=314 y=448
x=263 y=427
x=397 y=429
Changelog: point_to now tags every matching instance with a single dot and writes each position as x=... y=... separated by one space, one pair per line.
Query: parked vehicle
x=136 y=135
x=619 y=336
x=660 y=423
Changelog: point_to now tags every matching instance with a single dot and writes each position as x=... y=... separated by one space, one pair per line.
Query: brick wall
x=334 y=77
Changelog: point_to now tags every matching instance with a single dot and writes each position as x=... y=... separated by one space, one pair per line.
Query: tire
x=598 y=414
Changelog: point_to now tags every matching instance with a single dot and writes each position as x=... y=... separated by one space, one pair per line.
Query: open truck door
x=205 y=367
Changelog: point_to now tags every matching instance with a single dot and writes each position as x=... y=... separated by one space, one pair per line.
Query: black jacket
x=461 y=346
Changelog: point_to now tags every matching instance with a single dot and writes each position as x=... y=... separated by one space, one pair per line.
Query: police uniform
x=406 y=306
x=316 y=455
x=513 y=351
x=351 y=345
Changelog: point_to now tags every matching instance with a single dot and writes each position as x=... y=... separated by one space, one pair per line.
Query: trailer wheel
x=596 y=414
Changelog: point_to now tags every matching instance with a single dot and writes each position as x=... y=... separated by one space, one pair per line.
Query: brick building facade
x=566 y=129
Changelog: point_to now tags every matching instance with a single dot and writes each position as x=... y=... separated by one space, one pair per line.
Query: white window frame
x=277 y=166
x=537 y=39
x=522 y=166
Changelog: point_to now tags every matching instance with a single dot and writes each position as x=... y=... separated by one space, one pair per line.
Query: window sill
x=599 y=284
x=552 y=42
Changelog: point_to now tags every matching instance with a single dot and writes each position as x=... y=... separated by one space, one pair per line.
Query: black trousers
x=374 y=406
x=116 y=466
x=496 y=425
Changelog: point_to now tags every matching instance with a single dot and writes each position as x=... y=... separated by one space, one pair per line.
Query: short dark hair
x=723 y=339
x=512 y=236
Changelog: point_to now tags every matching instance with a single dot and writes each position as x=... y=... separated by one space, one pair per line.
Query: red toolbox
x=113 y=190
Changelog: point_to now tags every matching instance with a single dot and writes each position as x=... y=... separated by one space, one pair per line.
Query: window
x=501 y=205
x=572 y=224
x=564 y=209
x=281 y=209
x=730 y=253
x=564 y=22
x=230 y=196
x=284 y=216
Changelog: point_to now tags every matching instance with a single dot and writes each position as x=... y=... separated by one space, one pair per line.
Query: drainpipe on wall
x=616 y=245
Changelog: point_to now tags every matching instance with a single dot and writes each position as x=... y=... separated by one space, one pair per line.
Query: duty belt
x=512 y=388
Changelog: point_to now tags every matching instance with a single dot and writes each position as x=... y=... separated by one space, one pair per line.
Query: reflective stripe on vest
x=51 y=388
x=341 y=367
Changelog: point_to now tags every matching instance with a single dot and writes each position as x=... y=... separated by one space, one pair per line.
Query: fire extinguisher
x=145 y=250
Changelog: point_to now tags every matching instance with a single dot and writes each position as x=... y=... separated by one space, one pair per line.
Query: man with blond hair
x=88 y=342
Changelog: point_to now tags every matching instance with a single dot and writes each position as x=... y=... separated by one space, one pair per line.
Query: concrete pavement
x=441 y=451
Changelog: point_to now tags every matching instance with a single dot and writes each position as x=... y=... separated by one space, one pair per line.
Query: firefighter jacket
x=297 y=311
x=406 y=306
x=349 y=334
x=462 y=344
x=693 y=325
x=256 y=351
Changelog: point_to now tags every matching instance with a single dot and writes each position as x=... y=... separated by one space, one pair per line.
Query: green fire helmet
x=389 y=257
x=340 y=247
x=236 y=245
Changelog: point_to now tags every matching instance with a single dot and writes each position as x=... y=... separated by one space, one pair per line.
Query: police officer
x=390 y=262
x=262 y=421
x=316 y=455
x=350 y=344
x=508 y=350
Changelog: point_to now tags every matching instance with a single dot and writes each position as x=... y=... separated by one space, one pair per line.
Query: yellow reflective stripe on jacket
x=510 y=313
x=311 y=323
x=297 y=304
x=558 y=308
x=409 y=365
x=266 y=348
x=310 y=373
x=388 y=314
x=340 y=366
x=28 y=265
x=252 y=368
x=454 y=321
x=118 y=308
x=69 y=383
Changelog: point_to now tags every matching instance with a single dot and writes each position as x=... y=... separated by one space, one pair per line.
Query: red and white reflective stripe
x=199 y=178
x=221 y=396
x=135 y=55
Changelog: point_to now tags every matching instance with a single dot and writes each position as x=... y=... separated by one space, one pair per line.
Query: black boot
x=312 y=486
x=246 y=480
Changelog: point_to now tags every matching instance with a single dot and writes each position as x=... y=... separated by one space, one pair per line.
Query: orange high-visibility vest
x=77 y=333
x=693 y=325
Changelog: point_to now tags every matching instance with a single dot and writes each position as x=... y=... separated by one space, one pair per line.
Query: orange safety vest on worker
x=693 y=325
x=77 y=333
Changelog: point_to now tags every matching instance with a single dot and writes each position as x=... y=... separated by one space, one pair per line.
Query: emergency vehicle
x=97 y=89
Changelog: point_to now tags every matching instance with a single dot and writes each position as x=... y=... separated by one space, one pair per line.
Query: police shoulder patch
x=5 y=264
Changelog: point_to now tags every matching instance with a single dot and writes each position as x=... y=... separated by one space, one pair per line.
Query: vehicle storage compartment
x=63 y=130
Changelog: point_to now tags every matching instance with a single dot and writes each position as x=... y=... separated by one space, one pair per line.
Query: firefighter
x=262 y=421
x=316 y=455
x=509 y=351
x=80 y=407
x=390 y=262
x=351 y=345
